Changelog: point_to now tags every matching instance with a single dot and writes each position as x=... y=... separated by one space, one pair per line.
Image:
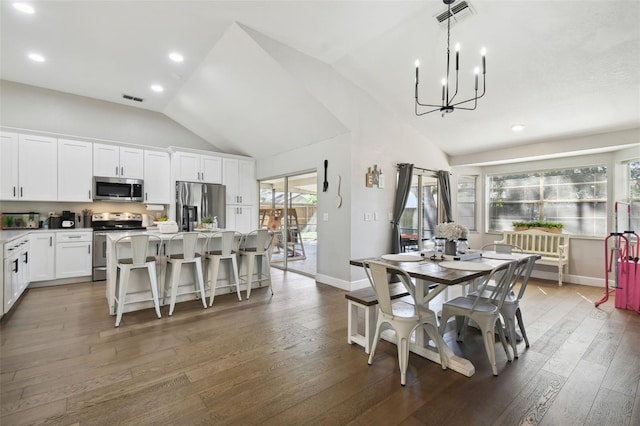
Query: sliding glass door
x=420 y=217
x=288 y=207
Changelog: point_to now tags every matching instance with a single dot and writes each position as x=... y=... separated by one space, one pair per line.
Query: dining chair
x=510 y=309
x=223 y=247
x=254 y=248
x=486 y=313
x=192 y=246
x=137 y=259
x=403 y=317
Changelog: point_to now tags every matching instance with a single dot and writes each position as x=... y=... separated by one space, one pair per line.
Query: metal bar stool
x=193 y=244
x=255 y=248
x=139 y=258
x=223 y=246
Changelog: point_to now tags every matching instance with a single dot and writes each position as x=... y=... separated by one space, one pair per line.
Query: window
x=634 y=194
x=467 y=202
x=577 y=198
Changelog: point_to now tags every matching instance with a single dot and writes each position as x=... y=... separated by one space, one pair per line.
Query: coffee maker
x=68 y=219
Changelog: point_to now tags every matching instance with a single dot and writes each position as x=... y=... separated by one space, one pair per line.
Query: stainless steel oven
x=103 y=224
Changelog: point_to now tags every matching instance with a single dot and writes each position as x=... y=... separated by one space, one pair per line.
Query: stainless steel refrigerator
x=197 y=200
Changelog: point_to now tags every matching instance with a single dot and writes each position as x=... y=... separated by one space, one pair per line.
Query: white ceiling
x=562 y=68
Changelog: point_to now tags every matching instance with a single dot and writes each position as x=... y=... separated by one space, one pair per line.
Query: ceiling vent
x=459 y=11
x=132 y=98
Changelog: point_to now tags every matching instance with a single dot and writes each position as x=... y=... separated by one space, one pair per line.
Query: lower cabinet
x=73 y=254
x=16 y=271
x=42 y=248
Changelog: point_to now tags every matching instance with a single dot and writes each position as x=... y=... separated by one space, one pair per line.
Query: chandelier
x=448 y=103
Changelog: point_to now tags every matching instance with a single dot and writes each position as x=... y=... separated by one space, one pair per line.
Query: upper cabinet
x=75 y=170
x=240 y=181
x=29 y=168
x=117 y=161
x=197 y=168
x=157 y=177
x=9 y=186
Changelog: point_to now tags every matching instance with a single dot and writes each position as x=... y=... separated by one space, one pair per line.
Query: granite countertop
x=7 y=235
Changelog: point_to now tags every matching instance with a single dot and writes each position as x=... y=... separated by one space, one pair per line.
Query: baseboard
x=570 y=279
x=342 y=284
x=61 y=281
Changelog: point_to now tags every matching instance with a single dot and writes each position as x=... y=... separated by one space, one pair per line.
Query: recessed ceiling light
x=24 y=8
x=157 y=88
x=176 y=57
x=517 y=127
x=36 y=57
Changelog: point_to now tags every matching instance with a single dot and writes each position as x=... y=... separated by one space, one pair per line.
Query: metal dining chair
x=254 y=248
x=404 y=318
x=486 y=313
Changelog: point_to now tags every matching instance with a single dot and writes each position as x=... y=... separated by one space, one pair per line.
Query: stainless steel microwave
x=117 y=189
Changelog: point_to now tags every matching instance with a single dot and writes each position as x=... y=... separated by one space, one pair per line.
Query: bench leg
x=560 y=273
x=353 y=336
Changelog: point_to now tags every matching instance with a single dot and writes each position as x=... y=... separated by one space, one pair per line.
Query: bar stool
x=255 y=248
x=139 y=247
x=193 y=244
x=223 y=246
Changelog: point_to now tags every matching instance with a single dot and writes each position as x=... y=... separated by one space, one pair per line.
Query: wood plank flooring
x=284 y=360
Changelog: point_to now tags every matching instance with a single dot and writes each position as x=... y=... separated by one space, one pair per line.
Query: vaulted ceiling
x=561 y=68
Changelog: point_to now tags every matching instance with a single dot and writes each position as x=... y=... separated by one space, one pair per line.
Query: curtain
x=444 y=183
x=405 y=172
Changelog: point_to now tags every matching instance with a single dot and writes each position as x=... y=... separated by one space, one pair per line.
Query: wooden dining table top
x=430 y=270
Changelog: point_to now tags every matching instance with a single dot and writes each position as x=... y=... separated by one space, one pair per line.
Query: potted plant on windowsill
x=553 y=227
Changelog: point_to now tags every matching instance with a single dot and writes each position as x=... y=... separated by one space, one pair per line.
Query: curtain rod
x=420 y=168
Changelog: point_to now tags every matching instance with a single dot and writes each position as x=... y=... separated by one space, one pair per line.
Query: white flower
x=451 y=231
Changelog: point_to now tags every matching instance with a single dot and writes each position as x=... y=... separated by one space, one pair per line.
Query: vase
x=450 y=248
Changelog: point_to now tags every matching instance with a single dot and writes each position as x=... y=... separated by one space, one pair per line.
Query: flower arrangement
x=451 y=231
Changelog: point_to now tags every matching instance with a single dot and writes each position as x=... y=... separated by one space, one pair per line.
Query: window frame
x=474 y=203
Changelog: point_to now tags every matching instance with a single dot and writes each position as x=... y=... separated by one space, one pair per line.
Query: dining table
x=433 y=275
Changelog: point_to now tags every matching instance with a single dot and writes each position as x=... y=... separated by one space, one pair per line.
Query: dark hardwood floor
x=284 y=360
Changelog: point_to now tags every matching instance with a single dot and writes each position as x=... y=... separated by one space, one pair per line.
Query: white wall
x=35 y=109
x=376 y=136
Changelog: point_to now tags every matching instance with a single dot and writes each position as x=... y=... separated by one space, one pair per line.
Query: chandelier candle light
x=447 y=105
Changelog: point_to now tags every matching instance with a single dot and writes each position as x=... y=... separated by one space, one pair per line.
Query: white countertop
x=7 y=235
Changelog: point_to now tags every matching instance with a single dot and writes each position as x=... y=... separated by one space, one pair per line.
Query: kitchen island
x=139 y=290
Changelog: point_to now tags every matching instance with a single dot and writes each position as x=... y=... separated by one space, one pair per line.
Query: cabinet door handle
x=50 y=241
x=146 y=196
x=14 y=191
x=116 y=170
x=89 y=249
x=16 y=263
x=20 y=191
x=74 y=236
x=121 y=171
x=26 y=257
x=89 y=194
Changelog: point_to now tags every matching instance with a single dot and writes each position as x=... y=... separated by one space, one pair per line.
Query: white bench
x=554 y=248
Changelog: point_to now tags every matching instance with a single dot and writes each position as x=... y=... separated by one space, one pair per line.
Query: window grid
x=577 y=198
x=466 y=202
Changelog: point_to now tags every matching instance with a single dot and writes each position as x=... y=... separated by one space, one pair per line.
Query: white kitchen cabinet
x=75 y=170
x=240 y=181
x=73 y=254
x=192 y=167
x=9 y=186
x=118 y=161
x=34 y=160
x=42 y=256
x=157 y=177
x=16 y=271
x=29 y=168
x=241 y=218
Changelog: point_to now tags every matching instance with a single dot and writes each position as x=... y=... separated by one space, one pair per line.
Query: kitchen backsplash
x=98 y=207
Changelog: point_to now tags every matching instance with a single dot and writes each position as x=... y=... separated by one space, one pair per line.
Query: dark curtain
x=405 y=172
x=445 y=196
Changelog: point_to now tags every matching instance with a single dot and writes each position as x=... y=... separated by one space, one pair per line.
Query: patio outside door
x=288 y=207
